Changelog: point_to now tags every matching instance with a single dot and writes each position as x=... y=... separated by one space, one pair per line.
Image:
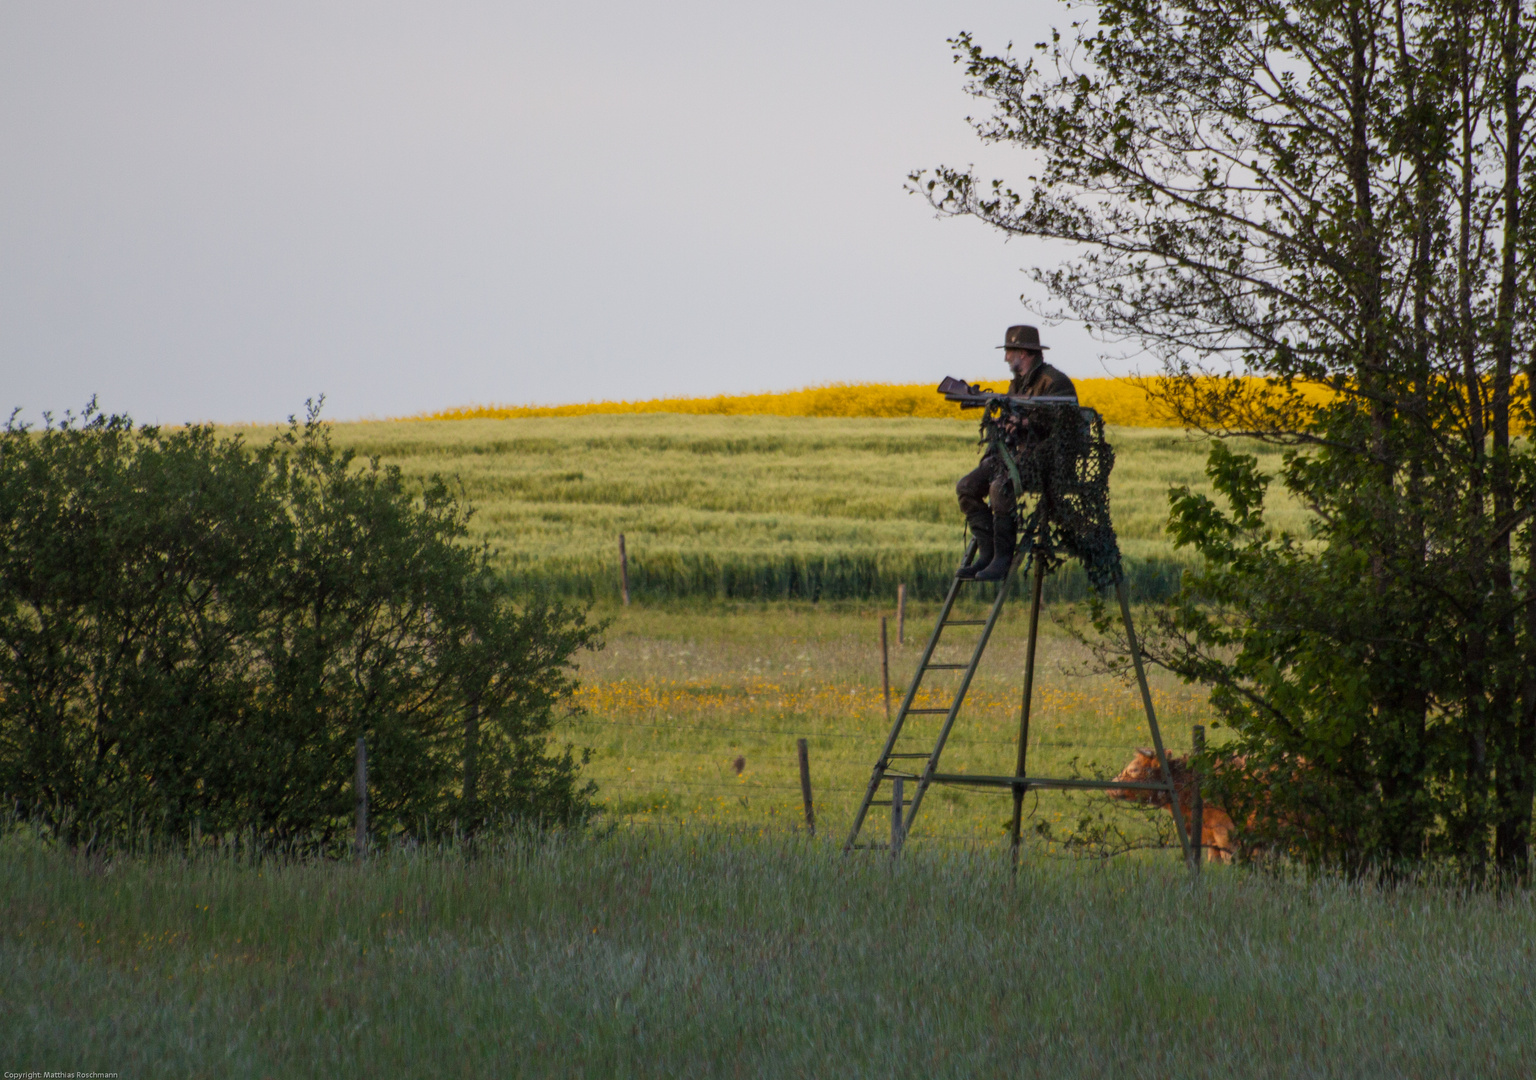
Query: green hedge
x=195 y=633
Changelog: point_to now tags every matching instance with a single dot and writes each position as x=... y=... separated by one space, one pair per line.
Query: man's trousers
x=987 y=489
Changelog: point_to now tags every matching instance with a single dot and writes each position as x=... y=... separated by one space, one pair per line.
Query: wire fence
x=718 y=748
x=646 y=771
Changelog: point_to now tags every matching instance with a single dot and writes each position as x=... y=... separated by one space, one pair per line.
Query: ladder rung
x=872 y=847
x=945 y=667
x=923 y=753
x=927 y=712
x=966 y=622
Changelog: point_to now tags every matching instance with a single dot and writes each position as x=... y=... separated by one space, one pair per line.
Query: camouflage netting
x=1062 y=458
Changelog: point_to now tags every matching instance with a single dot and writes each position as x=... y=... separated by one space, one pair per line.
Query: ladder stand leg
x=1029 y=690
x=1157 y=738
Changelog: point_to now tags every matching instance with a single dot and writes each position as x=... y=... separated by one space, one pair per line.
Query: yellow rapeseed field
x=1125 y=402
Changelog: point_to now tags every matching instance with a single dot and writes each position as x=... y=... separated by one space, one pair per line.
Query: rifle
x=967 y=396
x=1006 y=420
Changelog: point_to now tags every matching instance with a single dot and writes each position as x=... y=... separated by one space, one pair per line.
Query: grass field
x=698 y=930
x=692 y=678
x=751 y=506
x=679 y=694
x=697 y=954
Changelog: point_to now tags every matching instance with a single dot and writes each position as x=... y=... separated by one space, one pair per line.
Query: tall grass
x=705 y=954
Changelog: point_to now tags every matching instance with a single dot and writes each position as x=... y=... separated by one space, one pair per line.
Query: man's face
x=1021 y=360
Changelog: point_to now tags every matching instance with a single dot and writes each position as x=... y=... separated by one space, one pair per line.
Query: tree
x=194 y=633
x=1276 y=196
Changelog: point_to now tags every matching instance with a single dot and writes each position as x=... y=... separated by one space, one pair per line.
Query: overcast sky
x=215 y=210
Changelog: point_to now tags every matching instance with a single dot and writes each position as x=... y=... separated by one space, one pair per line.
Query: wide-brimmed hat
x=1022 y=337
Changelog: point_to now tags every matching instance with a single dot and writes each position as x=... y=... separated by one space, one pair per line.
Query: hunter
x=987 y=498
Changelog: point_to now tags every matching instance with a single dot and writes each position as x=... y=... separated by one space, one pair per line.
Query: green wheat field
x=749 y=507
x=699 y=928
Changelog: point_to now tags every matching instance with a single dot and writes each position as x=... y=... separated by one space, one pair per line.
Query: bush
x=195 y=632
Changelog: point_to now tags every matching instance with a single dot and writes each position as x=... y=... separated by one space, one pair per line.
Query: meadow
x=763 y=551
x=710 y=954
x=698 y=928
x=677 y=696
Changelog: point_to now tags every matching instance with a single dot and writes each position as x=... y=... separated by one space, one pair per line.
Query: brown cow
x=1216 y=830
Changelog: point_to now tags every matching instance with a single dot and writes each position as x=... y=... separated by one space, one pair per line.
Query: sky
x=214 y=211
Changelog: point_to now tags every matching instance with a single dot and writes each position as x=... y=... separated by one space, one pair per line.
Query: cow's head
x=1142 y=769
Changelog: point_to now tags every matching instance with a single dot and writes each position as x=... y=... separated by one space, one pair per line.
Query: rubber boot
x=981 y=529
x=1004 y=533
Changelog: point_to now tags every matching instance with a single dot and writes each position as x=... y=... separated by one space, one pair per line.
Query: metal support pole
x=1029 y=693
x=896 y=823
x=360 y=782
x=1157 y=738
x=805 y=785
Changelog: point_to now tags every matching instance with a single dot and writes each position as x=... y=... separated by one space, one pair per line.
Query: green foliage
x=194 y=633
x=1336 y=760
x=1364 y=736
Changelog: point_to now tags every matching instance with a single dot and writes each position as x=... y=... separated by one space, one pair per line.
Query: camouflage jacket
x=1042 y=380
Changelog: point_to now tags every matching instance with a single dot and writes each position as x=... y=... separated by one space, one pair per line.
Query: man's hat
x=1022 y=337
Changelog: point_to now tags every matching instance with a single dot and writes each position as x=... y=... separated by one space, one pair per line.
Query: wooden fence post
x=623 y=571
x=896 y=836
x=805 y=785
x=1197 y=815
x=901 y=614
x=360 y=782
x=885 y=670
